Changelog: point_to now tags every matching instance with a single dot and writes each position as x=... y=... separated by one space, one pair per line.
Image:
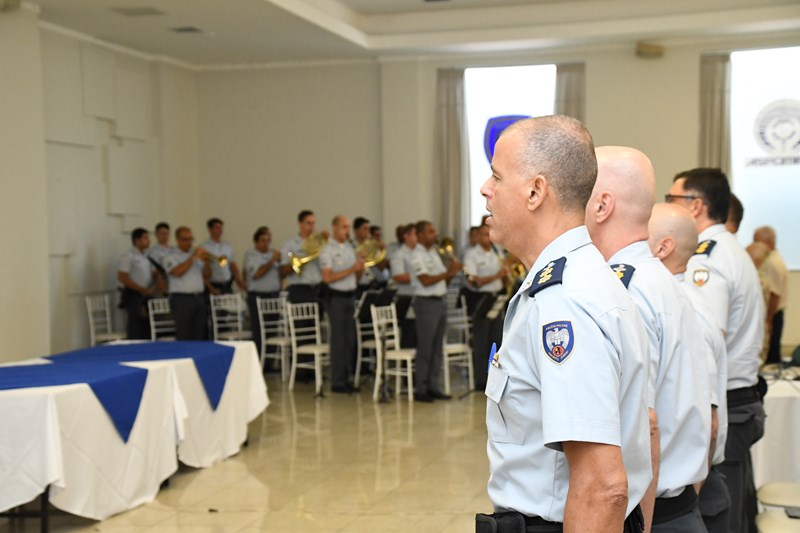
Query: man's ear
x=664 y=247
x=537 y=188
x=600 y=206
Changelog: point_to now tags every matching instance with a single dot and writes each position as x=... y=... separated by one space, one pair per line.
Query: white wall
x=24 y=305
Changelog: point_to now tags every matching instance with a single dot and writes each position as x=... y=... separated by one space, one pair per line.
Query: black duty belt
x=743 y=396
x=341 y=294
x=667 y=509
x=437 y=298
x=186 y=294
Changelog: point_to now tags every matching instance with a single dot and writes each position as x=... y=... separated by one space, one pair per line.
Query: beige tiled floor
x=340 y=463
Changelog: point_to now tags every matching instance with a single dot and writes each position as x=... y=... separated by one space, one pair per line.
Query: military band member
x=138 y=276
x=188 y=269
x=262 y=272
x=305 y=286
x=340 y=267
x=157 y=253
x=430 y=309
x=566 y=414
x=485 y=274
x=673 y=239
x=402 y=268
x=616 y=217
x=726 y=277
x=224 y=270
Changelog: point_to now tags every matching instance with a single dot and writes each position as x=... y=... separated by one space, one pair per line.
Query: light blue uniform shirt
x=481 y=263
x=220 y=274
x=310 y=273
x=678 y=369
x=137 y=266
x=339 y=256
x=728 y=281
x=192 y=279
x=269 y=282
x=400 y=263
x=157 y=253
x=427 y=261
x=571 y=368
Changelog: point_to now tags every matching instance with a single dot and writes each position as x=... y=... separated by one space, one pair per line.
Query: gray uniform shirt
x=401 y=264
x=310 y=274
x=137 y=266
x=571 y=368
x=727 y=278
x=220 y=274
x=269 y=282
x=339 y=256
x=482 y=263
x=192 y=279
x=427 y=262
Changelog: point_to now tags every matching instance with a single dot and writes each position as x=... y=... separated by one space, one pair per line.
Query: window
x=491 y=93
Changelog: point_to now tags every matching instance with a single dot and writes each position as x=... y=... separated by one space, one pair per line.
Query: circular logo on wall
x=777 y=128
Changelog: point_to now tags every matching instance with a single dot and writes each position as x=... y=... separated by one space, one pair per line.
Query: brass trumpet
x=516 y=274
x=312 y=246
x=221 y=260
x=447 y=251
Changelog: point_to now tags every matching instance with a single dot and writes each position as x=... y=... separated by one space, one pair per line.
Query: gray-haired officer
x=303 y=287
x=340 y=267
x=673 y=239
x=262 y=271
x=566 y=414
x=726 y=277
x=188 y=269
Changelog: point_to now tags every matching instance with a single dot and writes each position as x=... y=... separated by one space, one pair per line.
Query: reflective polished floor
x=338 y=463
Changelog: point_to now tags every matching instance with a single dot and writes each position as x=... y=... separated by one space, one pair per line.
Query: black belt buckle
x=509 y=522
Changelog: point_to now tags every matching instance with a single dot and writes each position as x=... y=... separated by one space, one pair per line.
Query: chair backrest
x=271 y=317
x=161 y=322
x=384 y=326
x=226 y=313
x=458 y=321
x=303 y=321
x=99 y=310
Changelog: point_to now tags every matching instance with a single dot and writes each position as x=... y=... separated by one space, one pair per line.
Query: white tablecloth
x=61 y=436
x=776 y=457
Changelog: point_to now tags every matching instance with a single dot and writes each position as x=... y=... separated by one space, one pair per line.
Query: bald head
x=622 y=199
x=673 y=236
x=758 y=252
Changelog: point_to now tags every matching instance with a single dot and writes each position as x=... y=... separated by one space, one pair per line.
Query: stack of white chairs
x=275 y=340
x=227 y=318
x=392 y=360
x=162 y=325
x=304 y=330
x=458 y=353
x=100 y=324
x=365 y=338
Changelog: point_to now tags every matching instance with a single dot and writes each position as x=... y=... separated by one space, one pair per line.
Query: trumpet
x=312 y=246
x=516 y=274
x=221 y=260
x=447 y=251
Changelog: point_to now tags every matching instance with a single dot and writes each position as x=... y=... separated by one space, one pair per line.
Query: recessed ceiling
x=280 y=31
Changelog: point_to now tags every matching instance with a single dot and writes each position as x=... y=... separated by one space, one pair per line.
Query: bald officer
x=566 y=414
x=726 y=277
x=188 y=270
x=617 y=218
x=673 y=239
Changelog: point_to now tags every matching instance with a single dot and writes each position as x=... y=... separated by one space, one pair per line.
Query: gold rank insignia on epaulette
x=624 y=273
x=705 y=247
x=549 y=275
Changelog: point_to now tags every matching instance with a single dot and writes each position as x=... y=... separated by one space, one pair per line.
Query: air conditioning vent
x=138 y=11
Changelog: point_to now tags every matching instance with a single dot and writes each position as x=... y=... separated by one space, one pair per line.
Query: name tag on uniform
x=496 y=383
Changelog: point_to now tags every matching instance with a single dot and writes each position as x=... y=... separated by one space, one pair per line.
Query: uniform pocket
x=502 y=423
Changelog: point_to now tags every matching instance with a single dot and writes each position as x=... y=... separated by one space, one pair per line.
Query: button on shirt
x=137 y=266
x=339 y=256
x=728 y=281
x=311 y=274
x=219 y=274
x=596 y=394
x=481 y=263
x=191 y=281
x=401 y=263
x=718 y=372
x=427 y=261
x=269 y=282
x=678 y=377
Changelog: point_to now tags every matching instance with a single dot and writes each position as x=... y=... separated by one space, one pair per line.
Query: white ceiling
x=279 y=31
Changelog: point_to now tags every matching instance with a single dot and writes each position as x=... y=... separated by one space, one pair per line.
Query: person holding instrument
x=188 y=269
x=299 y=264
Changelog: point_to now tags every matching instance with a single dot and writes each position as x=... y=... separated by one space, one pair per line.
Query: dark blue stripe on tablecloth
x=117 y=388
x=211 y=360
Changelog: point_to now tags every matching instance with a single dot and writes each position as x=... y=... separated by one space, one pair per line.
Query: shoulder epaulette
x=624 y=273
x=705 y=247
x=549 y=275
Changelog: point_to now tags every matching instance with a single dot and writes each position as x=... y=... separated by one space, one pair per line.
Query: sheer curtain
x=451 y=176
x=571 y=90
x=715 y=127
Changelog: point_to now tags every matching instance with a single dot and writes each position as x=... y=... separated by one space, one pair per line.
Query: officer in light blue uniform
x=303 y=287
x=188 y=269
x=403 y=276
x=262 y=271
x=617 y=217
x=566 y=415
x=728 y=281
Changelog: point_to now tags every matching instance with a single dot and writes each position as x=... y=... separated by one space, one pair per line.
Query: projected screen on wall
x=496 y=93
x=765 y=145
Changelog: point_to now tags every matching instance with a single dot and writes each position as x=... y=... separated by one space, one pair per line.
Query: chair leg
x=446 y=373
x=263 y=355
x=378 y=375
x=398 y=366
x=410 y=378
x=284 y=364
x=318 y=373
x=357 y=376
x=470 y=372
x=293 y=371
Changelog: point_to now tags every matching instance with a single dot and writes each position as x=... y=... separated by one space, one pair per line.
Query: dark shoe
x=420 y=397
x=436 y=395
x=342 y=389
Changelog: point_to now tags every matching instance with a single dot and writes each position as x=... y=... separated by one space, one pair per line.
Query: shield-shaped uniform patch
x=558 y=340
x=700 y=277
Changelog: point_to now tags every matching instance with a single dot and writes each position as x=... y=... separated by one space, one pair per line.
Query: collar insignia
x=549 y=275
x=705 y=247
x=624 y=273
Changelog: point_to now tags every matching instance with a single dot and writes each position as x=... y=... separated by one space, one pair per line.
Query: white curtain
x=571 y=90
x=451 y=187
x=715 y=127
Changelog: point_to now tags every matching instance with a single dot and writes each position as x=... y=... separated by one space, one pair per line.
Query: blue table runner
x=117 y=388
x=212 y=360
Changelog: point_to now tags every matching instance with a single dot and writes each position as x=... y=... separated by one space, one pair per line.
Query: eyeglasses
x=672 y=197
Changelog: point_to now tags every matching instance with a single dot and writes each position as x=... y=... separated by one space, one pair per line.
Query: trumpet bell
x=312 y=246
x=372 y=251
